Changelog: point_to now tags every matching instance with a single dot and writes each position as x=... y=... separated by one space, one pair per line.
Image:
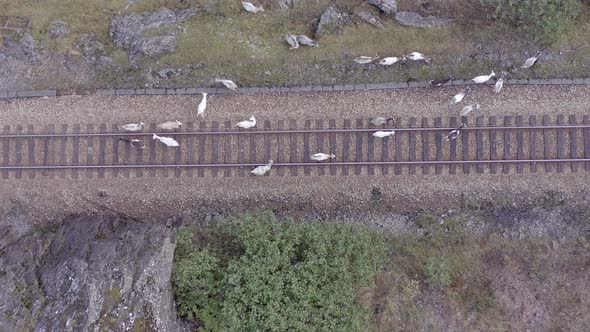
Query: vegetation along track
x=494 y=144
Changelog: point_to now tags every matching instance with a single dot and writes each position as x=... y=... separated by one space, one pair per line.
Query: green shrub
x=543 y=19
x=286 y=276
x=438 y=271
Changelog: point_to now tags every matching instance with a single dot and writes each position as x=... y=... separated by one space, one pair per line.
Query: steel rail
x=290 y=131
x=361 y=163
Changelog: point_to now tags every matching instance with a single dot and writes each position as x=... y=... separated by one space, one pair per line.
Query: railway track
x=488 y=145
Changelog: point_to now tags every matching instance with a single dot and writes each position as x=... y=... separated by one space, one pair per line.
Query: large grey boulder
x=389 y=7
x=416 y=20
x=58 y=29
x=370 y=18
x=129 y=31
x=331 y=22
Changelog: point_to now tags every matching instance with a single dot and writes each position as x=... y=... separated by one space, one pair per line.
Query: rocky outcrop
x=90 y=46
x=89 y=274
x=416 y=20
x=331 y=22
x=59 y=29
x=370 y=18
x=129 y=32
x=389 y=7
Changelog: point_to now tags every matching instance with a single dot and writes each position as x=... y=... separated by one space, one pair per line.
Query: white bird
x=322 y=156
x=304 y=40
x=170 y=125
x=292 y=40
x=363 y=59
x=459 y=97
x=167 y=140
x=136 y=143
x=455 y=133
x=484 y=78
x=248 y=6
x=378 y=121
x=467 y=109
x=499 y=83
x=417 y=57
x=388 y=61
x=382 y=134
x=247 y=123
x=261 y=170
x=228 y=84
x=202 y=105
x=132 y=126
x=530 y=61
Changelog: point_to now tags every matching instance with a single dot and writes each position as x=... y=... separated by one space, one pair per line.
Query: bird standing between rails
x=228 y=84
x=455 y=133
x=363 y=60
x=136 y=143
x=531 y=61
x=483 y=78
x=166 y=140
x=202 y=106
x=500 y=83
x=379 y=121
x=132 y=126
x=292 y=41
x=170 y=125
x=382 y=134
x=248 y=6
x=246 y=124
x=261 y=170
x=459 y=97
x=322 y=156
x=467 y=109
x=304 y=40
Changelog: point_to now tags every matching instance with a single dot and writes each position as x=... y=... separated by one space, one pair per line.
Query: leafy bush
x=260 y=274
x=544 y=19
x=438 y=271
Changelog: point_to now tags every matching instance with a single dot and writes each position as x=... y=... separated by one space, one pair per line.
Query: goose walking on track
x=415 y=56
x=441 y=82
x=363 y=60
x=500 y=83
x=531 y=61
x=202 y=106
x=379 y=121
x=304 y=40
x=388 y=61
x=261 y=170
x=322 y=156
x=292 y=41
x=246 y=124
x=166 y=140
x=171 y=125
x=132 y=126
x=248 y=6
x=228 y=84
x=459 y=97
x=467 y=109
x=483 y=78
x=455 y=133
x=382 y=134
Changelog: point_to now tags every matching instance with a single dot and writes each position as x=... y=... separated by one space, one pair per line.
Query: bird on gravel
x=261 y=170
x=136 y=143
x=228 y=84
x=417 y=57
x=483 y=78
x=382 y=134
x=166 y=140
x=379 y=121
x=132 y=126
x=467 y=109
x=500 y=83
x=531 y=61
x=363 y=59
x=441 y=82
x=248 y=6
x=322 y=156
x=247 y=123
x=455 y=133
x=292 y=41
x=202 y=105
x=170 y=125
x=304 y=40
x=388 y=61
x=459 y=97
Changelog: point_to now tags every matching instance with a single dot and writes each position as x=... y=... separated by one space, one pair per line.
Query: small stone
x=389 y=7
x=416 y=20
x=331 y=22
x=59 y=29
x=368 y=17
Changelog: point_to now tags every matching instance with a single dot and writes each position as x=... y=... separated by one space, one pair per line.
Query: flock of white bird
x=295 y=41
